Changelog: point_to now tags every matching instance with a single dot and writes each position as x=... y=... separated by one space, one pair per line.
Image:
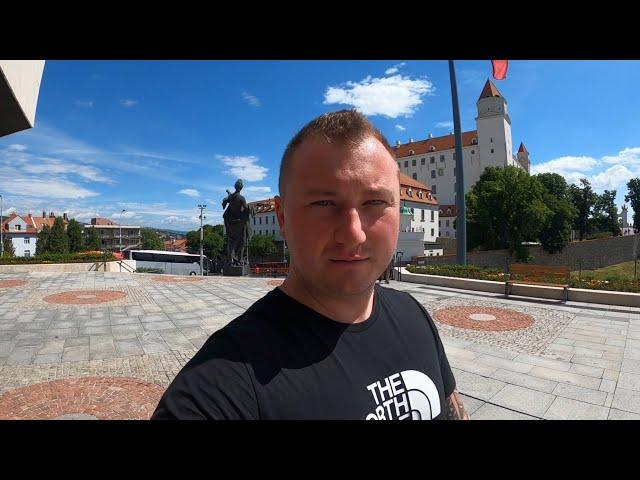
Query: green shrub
x=59 y=258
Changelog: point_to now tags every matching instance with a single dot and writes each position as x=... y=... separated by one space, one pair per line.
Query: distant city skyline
x=158 y=137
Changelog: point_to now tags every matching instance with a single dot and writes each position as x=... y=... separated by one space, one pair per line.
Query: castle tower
x=523 y=157
x=494 y=129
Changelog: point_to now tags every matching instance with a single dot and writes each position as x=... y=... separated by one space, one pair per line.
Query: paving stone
x=524 y=380
x=129 y=347
x=622 y=415
x=596 y=372
x=76 y=353
x=568 y=409
x=504 y=363
x=629 y=381
x=608 y=386
x=627 y=400
x=62 y=333
x=566 y=377
x=494 y=412
x=595 y=362
x=156 y=326
x=579 y=393
x=48 y=358
x=470 y=404
x=21 y=356
x=88 y=331
x=50 y=347
x=524 y=400
x=477 y=386
x=543 y=362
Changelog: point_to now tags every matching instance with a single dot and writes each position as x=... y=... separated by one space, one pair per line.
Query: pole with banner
x=461 y=214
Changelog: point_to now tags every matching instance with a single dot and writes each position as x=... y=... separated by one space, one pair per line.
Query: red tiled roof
x=262 y=206
x=444 y=213
x=414 y=191
x=522 y=148
x=176 y=245
x=436 y=144
x=489 y=90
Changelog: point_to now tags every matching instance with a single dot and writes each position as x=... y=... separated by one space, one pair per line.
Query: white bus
x=174 y=263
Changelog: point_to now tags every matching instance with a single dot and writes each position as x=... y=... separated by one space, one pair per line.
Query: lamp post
x=1 y=230
x=202 y=217
x=123 y=210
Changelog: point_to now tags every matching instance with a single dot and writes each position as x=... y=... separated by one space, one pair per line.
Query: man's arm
x=453 y=408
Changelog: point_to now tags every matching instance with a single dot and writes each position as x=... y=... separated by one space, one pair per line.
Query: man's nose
x=350 y=231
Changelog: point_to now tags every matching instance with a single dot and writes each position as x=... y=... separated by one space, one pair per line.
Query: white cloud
x=394 y=69
x=251 y=99
x=45 y=188
x=56 y=167
x=628 y=156
x=565 y=164
x=401 y=128
x=126 y=214
x=257 y=189
x=190 y=192
x=448 y=125
x=612 y=178
x=244 y=167
x=390 y=96
x=10 y=210
x=84 y=104
x=16 y=147
x=128 y=103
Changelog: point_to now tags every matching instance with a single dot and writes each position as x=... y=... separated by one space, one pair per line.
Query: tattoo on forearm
x=453 y=408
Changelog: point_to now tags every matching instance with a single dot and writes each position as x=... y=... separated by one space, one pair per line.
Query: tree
x=584 y=199
x=605 y=213
x=555 y=234
x=93 y=239
x=42 y=243
x=58 y=240
x=8 y=247
x=261 y=246
x=212 y=245
x=504 y=209
x=74 y=232
x=150 y=240
x=633 y=196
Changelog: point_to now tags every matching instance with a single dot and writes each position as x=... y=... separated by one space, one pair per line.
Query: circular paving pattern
x=87 y=398
x=12 y=283
x=85 y=297
x=178 y=279
x=484 y=318
x=275 y=283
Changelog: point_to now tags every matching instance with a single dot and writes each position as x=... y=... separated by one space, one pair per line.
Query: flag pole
x=461 y=214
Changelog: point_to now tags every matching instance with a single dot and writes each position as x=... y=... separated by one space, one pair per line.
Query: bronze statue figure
x=236 y=225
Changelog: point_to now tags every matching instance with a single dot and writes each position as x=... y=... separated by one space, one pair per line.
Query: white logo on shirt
x=403 y=395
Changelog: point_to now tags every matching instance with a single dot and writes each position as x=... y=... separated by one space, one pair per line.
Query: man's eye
x=377 y=202
x=322 y=203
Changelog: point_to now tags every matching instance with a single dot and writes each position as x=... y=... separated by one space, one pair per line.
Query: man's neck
x=352 y=309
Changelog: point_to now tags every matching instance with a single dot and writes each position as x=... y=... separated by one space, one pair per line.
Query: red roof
x=436 y=144
x=262 y=206
x=448 y=211
x=522 y=148
x=414 y=191
x=489 y=90
x=175 y=245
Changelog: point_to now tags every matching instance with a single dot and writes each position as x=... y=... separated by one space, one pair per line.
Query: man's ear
x=280 y=215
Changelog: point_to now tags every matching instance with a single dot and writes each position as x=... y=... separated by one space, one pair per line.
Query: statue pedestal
x=235 y=270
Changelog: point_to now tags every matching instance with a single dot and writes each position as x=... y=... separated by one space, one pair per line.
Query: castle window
x=415 y=176
x=422 y=161
x=413 y=162
x=406 y=163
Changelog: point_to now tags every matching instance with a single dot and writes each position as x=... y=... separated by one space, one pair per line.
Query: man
x=329 y=343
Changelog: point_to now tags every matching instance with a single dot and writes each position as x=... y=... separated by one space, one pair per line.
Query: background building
x=24 y=229
x=109 y=233
x=432 y=161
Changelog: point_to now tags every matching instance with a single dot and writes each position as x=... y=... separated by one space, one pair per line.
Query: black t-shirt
x=282 y=360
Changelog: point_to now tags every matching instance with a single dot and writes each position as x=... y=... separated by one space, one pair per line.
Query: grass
x=620 y=271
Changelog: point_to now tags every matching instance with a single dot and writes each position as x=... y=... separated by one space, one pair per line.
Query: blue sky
x=158 y=137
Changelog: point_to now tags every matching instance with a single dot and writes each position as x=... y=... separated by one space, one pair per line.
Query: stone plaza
x=101 y=345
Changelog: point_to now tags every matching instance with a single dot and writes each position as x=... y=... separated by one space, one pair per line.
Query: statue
x=236 y=224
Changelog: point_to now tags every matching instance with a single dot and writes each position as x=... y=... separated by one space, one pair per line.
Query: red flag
x=500 y=69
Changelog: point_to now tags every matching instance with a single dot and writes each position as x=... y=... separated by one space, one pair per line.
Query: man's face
x=341 y=215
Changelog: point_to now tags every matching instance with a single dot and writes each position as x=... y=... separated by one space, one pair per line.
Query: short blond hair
x=344 y=127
